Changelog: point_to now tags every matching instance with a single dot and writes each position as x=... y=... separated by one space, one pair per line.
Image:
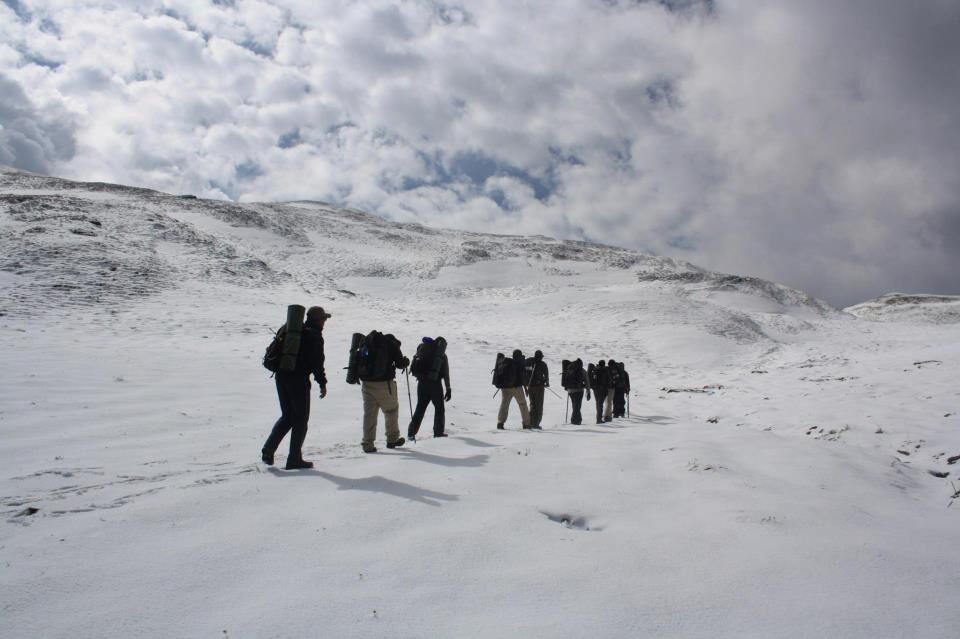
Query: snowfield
x=787 y=469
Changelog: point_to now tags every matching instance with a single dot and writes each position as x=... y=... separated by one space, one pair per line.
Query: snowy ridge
x=897 y=307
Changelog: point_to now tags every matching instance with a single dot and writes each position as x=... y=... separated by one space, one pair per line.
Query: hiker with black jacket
x=613 y=378
x=378 y=386
x=293 y=391
x=537 y=379
x=621 y=388
x=600 y=383
x=432 y=370
x=512 y=388
x=575 y=382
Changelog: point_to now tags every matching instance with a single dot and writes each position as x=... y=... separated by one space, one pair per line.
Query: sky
x=812 y=142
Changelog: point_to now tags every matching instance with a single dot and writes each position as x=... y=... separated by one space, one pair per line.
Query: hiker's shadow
x=474 y=461
x=379 y=484
x=476 y=442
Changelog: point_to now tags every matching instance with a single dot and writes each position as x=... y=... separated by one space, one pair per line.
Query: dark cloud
x=30 y=139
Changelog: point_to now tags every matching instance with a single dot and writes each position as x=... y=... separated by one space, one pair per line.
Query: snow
x=133 y=408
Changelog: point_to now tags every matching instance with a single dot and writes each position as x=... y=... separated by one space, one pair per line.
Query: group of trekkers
x=297 y=352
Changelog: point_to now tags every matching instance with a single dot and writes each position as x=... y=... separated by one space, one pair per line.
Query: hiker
x=621 y=388
x=599 y=382
x=537 y=377
x=613 y=378
x=378 y=386
x=432 y=370
x=293 y=391
x=574 y=380
x=509 y=375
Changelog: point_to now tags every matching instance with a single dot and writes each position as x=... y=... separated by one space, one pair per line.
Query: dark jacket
x=310 y=357
x=516 y=375
x=536 y=373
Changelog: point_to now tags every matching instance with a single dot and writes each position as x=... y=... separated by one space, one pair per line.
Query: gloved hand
x=446 y=397
x=404 y=363
x=323 y=392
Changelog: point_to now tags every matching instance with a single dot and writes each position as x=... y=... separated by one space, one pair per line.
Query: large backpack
x=614 y=373
x=593 y=374
x=281 y=353
x=502 y=371
x=371 y=357
x=422 y=360
x=570 y=377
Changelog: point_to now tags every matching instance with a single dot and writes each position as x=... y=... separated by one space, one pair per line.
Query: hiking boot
x=439 y=434
x=267 y=457
x=500 y=426
x=528 y=428
x=368 y=448
x=397 y=444
x=298 y=464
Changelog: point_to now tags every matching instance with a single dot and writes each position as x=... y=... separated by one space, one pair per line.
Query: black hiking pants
x=536 y=393
x=600 y=395
x=428 y=392
x=294 y=394
x=619 y=402
x=576 y=399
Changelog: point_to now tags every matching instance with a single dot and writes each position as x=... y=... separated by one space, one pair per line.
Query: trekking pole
x=628 y=404
x=554 y=392
x=566 y=411
x=409 y=401
x=495 y=392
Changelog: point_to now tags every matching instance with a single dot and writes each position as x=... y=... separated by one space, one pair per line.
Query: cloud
x=31 y=139
x=812 y=143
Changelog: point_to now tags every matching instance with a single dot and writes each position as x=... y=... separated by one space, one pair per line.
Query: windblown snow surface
x=784 y=472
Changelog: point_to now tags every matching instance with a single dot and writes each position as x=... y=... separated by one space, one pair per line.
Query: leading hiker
x=293 y=390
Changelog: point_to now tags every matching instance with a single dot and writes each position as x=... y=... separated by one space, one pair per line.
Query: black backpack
x=614 y=374
x=371 y=357
x=595 y=377
x=422 y=360
x=502 y=371
x=570 y=377
x=535 y=373
x=274 y=352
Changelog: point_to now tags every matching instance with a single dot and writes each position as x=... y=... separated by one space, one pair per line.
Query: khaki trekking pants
x=380 y=396
x=506 y=394
x=608 y=405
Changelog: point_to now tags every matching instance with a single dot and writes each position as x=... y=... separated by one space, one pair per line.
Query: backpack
x=436 y=366
x=281 y=353
x=274 y=352
x=593 y=373
x=570 y=377
x=614 y=374
x=502 y=371
x=422 y=360
x=371 y=357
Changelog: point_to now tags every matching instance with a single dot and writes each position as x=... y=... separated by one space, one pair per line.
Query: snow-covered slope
x=785 y=470
x=897 y=307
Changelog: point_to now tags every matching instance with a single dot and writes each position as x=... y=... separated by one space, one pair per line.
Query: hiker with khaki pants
x=508 y=394
x=510 y=381
x=380 y=396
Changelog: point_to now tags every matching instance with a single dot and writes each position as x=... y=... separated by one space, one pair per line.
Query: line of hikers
x=297 y=351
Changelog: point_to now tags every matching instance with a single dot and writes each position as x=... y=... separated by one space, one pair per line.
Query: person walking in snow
x=621 y=388
x=600 y=383
x=432 y=370
x=537 y=377
x=574 y=380
x=613 y=378
x=378 y=387
x=293 y=391
x=512 y=388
